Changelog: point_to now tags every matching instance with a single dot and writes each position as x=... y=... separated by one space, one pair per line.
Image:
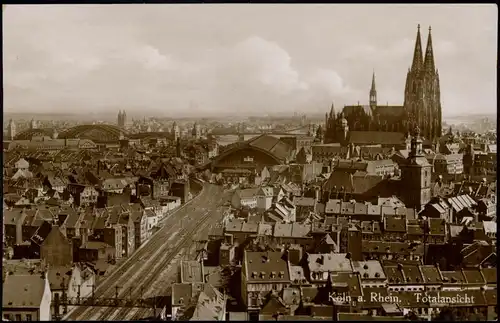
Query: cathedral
x=122 y=119
x=421 y=107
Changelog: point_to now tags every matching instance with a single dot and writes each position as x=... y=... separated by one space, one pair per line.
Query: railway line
x=184 y=240
x=138 y=273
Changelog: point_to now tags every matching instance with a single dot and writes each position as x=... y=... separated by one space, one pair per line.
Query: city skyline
x=218 y=60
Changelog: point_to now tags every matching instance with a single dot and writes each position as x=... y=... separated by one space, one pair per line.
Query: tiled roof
x=283 y=230
x=265 y=229
x=266 y=266
x=383 y=247
x=297 y=274
x=234 y=225
x=431 y=274
x=250 y=227
x=191 y=271
x=330 y=262
x=453 y=277
x=490 y=275
x=247 y=193
x=370 y=269
x=394 y=275
x=412 y=274
x=473 y=276
x=23 y=291
x=395 y=224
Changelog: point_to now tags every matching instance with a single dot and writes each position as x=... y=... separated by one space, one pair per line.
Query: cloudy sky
x=239 y=59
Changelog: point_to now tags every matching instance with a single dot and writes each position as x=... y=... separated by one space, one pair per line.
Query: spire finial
x=429 y=55
x=417 y=54
x=430 y=28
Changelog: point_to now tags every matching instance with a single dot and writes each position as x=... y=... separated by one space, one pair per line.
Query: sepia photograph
x=249 y=162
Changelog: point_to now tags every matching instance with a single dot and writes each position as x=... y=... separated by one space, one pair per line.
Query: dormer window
x=262 y=274
x=281 y=274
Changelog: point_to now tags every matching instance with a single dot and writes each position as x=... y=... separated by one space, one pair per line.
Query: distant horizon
x=283 y=114
x=168 y=60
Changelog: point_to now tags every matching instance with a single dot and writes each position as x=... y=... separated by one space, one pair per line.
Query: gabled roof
x=55 y=236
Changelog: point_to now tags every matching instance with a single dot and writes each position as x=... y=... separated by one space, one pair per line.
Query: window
x=28 y=317
x=18 y=317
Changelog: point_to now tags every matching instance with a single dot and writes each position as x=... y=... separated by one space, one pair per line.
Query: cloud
x=259 y=74
x=247 y=76
x=396 y=50
x=156 y=60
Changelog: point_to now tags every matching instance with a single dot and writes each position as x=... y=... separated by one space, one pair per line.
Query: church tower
x=176 y=132
x=196 y=132
x=11 y=130
x=124 y=119
x=373 y=93
x=33 y=124
x=330 y=126
x=120 y=118
x=422 y=101
x=416 y=175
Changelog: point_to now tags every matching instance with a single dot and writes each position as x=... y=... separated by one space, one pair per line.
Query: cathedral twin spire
x=122 y=118
x=422 y=92
x=420 y=63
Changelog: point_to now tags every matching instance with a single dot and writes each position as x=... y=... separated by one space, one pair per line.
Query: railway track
x=186 y=239
x=152 y=256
